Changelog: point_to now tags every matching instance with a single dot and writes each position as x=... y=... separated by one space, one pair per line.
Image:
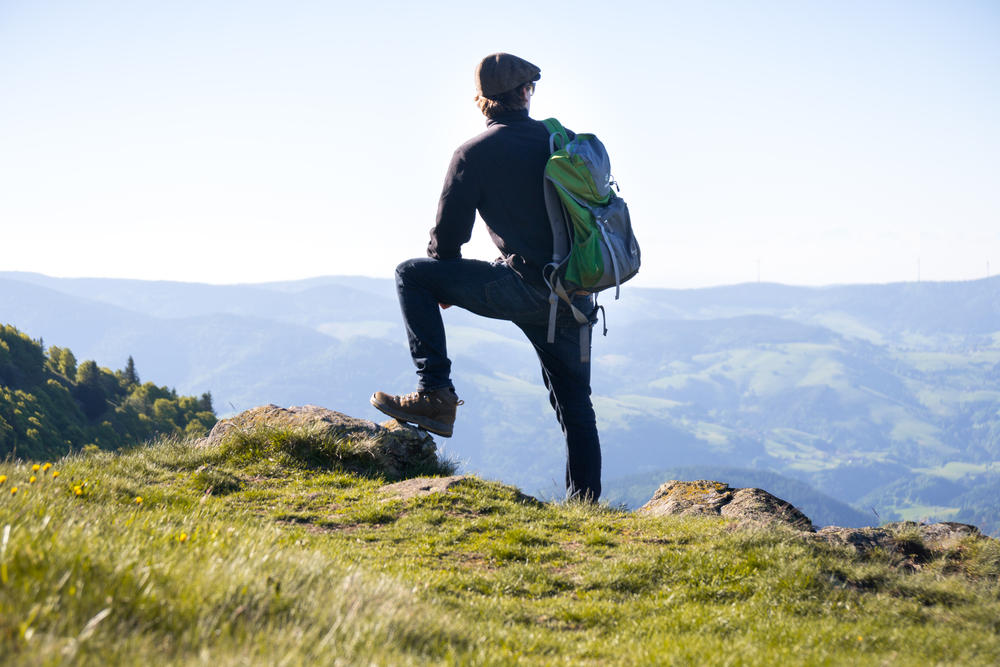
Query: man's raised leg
x=491 y=290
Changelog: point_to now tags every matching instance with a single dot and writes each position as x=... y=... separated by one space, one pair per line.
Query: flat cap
x=500 y=72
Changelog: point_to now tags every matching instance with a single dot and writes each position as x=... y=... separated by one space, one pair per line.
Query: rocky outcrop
x=759 y=506
x=709 y=498
x=422 y=486
x=907 y=540
x=906 y=544
x=318 y=420
x=394 y=446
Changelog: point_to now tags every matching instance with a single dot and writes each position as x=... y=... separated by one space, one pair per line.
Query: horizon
x=630 y=285
x=809 y=144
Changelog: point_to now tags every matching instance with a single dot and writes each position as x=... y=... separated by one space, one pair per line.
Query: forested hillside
x=51 y=405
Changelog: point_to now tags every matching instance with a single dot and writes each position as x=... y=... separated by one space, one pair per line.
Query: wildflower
x=182 y=537
x=138 y=500
x=35 y=468
x=13 y=490
x=78 y=490
x=46 y=467
x=3 y=478
x=55 y=473
x=32 y=479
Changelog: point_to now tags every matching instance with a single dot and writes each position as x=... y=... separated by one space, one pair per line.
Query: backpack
x=593 y=247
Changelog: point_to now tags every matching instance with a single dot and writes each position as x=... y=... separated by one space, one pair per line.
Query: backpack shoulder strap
x=559 y=222
x=558 y=137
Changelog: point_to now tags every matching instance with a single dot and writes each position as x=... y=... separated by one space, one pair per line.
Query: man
x=498 y=173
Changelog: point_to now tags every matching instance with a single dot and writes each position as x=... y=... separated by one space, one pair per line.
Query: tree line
x=51 y=405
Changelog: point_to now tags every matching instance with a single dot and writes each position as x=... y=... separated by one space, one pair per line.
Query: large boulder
x=395 y=447
x=710 y=498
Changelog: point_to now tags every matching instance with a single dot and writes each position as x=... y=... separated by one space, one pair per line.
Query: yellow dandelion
x=182 y=537
x=36 y=468
x=13 y=490
x=138 y=500
x=32 y=479
x=78 y=490
x=55 y=473
x=3 y=478
x=46 y=467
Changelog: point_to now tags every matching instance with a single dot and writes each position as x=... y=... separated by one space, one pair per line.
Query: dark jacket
x=499 y=173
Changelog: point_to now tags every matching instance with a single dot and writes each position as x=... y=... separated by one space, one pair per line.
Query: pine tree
x=131 y=376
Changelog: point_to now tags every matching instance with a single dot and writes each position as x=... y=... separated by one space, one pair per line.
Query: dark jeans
x=495 y=290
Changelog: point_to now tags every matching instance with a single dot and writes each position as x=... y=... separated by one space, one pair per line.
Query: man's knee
x=407 y=268
x=571 y=397
x=420 y=272
x=577 y=414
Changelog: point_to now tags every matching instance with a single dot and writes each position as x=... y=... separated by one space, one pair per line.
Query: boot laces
x=410 y=399
x=416 y=397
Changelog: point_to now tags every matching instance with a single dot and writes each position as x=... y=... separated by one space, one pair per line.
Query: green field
x=277 y=548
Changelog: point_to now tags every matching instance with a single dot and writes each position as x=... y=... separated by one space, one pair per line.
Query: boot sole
x=432 y=425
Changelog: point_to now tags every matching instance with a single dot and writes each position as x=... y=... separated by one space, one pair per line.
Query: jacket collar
x=508 y=117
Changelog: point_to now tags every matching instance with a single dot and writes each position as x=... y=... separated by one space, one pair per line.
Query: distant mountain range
x=885 y=397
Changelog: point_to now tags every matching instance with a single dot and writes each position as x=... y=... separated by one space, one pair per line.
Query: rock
x=908 y=540
x=312 y=417
x=422 y=486
x=863 y=540
x=759 y=506
x=686 y=498
x=709 y=498
x=906 y=544
x=394 y=446
x=942 y=535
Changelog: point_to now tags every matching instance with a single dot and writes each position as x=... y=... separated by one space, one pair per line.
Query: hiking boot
x=430 y=410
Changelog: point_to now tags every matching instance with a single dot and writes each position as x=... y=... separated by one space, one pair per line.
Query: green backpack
x=593 y=247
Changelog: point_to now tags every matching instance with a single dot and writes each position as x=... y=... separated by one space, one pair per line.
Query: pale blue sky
x=223 y=142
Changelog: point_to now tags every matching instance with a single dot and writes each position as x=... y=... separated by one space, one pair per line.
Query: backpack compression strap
x=558 y=291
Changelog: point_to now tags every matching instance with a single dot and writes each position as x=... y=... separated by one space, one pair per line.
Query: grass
x=285 y=551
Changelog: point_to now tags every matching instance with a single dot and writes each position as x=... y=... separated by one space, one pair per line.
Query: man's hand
x=444 y=305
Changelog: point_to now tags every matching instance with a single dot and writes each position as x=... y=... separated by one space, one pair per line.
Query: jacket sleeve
x=456 y=210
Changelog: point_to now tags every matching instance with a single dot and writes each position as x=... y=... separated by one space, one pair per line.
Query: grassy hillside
x=279 y=547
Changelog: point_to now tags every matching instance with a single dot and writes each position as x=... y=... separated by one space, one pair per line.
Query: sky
x=800 y=142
